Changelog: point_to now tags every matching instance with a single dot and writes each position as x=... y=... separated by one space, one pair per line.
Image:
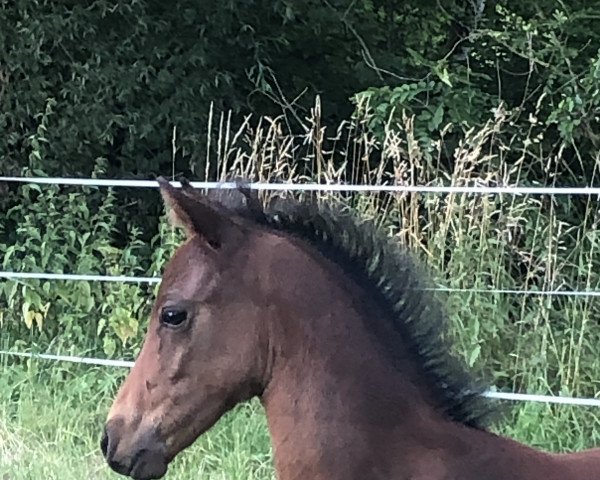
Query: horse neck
x=329 y=403
x=578 y=465
x=338 y=409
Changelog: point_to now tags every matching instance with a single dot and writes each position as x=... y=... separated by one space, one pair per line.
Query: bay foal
x=328 y=323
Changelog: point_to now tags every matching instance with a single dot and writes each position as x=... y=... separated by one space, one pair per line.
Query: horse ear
x=196 y=215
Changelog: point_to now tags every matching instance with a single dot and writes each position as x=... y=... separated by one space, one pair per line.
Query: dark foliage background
x=107 y=88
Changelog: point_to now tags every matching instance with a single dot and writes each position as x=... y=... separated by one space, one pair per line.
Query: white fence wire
x=485 y=190
x=523 y=397
x=78 y=277
x=304 y=187
x=135 y=279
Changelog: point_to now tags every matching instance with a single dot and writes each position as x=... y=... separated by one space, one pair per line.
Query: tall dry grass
x=523 y=342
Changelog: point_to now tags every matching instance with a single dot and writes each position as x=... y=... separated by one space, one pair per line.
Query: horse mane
x=392 y=279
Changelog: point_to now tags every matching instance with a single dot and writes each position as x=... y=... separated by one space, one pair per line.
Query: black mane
x=392 y=279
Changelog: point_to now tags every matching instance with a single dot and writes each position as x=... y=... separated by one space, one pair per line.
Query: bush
x=540 y=63
x=122 y=81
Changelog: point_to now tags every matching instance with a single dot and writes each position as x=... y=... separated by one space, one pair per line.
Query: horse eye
x=172 y=317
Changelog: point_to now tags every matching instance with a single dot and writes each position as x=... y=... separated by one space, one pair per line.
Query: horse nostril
x=104 y=443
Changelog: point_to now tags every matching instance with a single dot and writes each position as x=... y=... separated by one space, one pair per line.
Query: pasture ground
x=51 y=415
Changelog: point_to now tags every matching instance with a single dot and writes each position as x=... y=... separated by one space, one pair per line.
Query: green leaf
x=474 y=355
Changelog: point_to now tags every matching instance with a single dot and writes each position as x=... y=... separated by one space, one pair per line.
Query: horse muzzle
x=139 y=456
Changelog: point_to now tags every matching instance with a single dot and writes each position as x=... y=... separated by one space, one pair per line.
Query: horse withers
x=331 y=325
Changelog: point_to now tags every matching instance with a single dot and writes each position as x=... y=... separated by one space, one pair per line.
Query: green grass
x=556 y=428
x=51 y=418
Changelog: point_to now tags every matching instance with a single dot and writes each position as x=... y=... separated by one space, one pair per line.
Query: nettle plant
x=75 y=230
